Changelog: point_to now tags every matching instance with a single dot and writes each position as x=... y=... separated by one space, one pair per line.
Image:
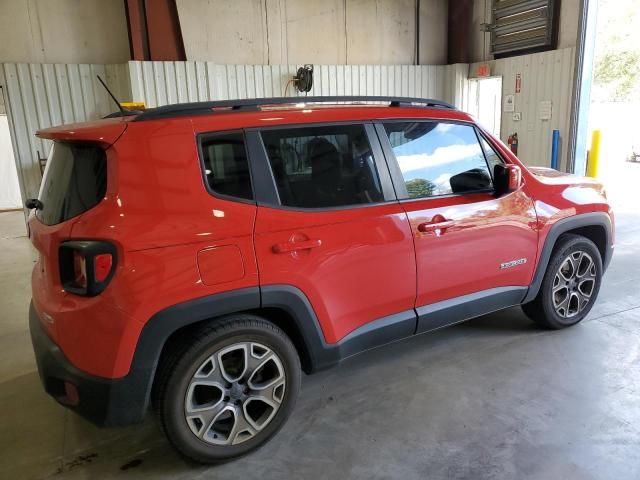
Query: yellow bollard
x=594 y=155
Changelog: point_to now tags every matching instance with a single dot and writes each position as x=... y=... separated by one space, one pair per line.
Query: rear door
x=468 y=242
x=333 y=227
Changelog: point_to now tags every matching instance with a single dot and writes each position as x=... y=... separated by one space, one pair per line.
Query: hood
x=554 y=177
x=547 y=172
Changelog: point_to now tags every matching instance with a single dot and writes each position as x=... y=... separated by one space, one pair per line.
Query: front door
x=337 y=232
x=469 y=244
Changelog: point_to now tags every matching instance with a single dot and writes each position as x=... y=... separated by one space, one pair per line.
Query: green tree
x=419 y=187
x=617 y=52
x=618 y=72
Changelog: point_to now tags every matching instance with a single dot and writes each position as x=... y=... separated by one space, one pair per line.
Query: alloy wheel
x=235 y=393
x=573 y=284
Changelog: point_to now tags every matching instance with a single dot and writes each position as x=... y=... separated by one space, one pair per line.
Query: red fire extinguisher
x=512 y=141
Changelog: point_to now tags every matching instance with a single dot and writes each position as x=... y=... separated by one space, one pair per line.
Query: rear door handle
x=287 y=247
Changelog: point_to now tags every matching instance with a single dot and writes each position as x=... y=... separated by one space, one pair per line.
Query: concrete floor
x=492 y=398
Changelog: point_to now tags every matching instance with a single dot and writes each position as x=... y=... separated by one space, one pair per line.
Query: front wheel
x=227 y=388
x=570 y=285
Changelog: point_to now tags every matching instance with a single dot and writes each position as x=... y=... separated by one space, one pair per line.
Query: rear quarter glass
x=74 y=181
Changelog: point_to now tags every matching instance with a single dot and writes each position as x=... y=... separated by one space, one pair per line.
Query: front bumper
x=607 y=258
x=102 y=401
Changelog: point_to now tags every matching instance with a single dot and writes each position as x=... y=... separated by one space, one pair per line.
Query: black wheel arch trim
x=124 y=401
x=159 y=328
x=593 y=219
x=295 y=303
x=323 y=355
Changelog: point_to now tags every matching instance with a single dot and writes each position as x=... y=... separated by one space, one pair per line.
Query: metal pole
x=555 y=144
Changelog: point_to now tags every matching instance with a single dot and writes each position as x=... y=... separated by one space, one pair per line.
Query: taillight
x=103 y=264
x=86 y=266
x=79 y=270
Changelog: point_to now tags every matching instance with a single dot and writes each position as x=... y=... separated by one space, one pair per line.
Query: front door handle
x=437 y=224
x=288 y=247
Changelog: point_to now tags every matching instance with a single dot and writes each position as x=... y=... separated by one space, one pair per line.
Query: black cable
x=417 y=32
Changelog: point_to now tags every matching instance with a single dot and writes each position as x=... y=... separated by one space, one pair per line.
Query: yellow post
x=594 y=155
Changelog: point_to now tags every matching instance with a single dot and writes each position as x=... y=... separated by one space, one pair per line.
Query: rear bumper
x=102 y=401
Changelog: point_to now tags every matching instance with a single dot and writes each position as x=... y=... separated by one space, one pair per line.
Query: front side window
x=493 y=158
x=226 y=167
x=323 y=167
x=438 y=158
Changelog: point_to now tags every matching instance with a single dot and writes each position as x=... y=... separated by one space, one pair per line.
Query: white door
x=486 y=102
x=9 y=188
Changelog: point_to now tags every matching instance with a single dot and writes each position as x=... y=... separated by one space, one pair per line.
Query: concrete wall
x=567 y=32
x=63 y=31
x=315 y=31
x=481 y=42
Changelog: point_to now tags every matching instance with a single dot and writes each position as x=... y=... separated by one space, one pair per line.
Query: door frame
x=476 y=101
x=264 y=183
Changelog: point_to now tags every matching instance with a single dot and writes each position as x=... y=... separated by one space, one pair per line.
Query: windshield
x=75 y=180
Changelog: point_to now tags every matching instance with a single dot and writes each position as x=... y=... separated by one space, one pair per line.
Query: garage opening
x=615 y=100
x=9 y=188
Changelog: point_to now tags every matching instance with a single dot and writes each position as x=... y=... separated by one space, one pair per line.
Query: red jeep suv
x=198 y=257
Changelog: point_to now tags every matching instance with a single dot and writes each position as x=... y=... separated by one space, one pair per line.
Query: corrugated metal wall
x=544 y=76
x=162 y=83
x=43 y=95
x=457 y=88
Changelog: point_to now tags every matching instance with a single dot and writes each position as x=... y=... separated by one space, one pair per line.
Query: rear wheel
x=227 y=388
x=570 y=285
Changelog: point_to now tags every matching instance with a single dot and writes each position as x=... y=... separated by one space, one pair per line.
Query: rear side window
x=74 y=181
x=323 y=167
x=226 y=167
x=439 y=158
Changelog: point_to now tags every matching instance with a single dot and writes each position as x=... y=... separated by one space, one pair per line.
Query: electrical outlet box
x=517 y=116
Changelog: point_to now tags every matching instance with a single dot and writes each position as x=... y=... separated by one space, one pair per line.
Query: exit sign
x=483 y=70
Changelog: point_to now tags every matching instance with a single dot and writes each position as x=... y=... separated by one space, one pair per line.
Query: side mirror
x=473 y=180
x=506 y=178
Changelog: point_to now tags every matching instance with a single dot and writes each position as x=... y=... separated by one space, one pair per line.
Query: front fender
x=598 y=219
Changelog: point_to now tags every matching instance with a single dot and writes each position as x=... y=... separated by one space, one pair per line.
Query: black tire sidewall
x=572 y=245
x=172 y=408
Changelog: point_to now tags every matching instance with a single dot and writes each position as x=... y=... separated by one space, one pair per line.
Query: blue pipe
x=555 y=144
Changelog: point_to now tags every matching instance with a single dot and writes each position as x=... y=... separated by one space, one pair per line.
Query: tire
x=553 y=310
x=205 y=395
